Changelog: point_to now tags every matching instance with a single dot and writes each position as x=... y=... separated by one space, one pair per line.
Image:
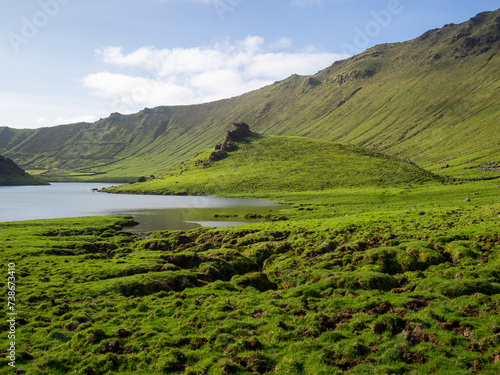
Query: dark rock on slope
x=239 y=132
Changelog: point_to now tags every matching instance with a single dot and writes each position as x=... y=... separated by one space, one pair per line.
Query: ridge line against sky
x=66 y=61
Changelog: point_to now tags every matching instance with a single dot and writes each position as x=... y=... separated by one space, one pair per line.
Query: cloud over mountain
x=194 y=75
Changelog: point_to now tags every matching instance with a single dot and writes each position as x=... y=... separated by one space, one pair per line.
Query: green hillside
x=12 y=175
x=434 y=99
x=263 y=164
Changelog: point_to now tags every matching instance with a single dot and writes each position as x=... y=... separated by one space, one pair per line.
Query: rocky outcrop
x=217 y=155
x=311 y=81
x=472 y=46
x=239 y=132
x=343 y=78
x=475 y=42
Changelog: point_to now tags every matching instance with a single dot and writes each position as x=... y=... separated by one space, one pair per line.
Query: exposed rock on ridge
x=343 y=78
x=236 y=134
x=239 y=131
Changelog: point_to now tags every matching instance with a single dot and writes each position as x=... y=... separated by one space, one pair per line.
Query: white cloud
x=272 y=65
x=41 y=110
x=76 y=119
x=201 y=74
x=130 y=93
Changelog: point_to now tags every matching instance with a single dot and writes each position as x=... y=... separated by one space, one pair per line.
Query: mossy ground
x=410 y=284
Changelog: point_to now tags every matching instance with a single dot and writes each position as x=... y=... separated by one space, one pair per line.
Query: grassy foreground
x=407 y=283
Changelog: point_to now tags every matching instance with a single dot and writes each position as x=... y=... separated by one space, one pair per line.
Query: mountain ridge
x=432 y=99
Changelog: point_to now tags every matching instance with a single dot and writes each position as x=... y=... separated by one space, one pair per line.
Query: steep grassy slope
x=12 y=175
x=434 y=99
x=264 y=164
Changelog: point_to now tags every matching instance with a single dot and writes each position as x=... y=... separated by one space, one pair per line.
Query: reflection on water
x=190 y=218
x=61 y=200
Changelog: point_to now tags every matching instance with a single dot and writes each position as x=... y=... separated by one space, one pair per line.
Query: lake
x=61 y=200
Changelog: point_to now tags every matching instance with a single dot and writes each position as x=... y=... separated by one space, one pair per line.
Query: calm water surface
x=61 y=200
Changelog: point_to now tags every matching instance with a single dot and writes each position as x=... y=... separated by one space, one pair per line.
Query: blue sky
x=65 y=61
